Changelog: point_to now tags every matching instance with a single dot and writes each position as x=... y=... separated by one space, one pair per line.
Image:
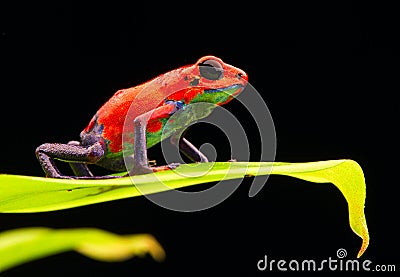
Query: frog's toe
x=173 y=165
x=165 y=167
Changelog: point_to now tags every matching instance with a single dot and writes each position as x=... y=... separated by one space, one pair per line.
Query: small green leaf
x=27 y=244
x=36 y=194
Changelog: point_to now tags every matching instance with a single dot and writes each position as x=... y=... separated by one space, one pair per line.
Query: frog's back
x=113 y=124
x=124 y=106
x=108 y=122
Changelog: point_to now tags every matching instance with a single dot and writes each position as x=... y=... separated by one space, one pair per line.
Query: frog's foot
x=140 y=170
x=97 y=177
x=58 y=176
x=85 y=177
x=165 y=167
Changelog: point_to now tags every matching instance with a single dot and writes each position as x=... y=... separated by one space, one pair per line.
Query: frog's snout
x=242 y=76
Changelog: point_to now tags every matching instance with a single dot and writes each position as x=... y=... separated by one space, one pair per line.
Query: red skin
x=174 y=85
x=136 y=116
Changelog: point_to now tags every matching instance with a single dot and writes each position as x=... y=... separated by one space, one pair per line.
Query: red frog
x=135 y=119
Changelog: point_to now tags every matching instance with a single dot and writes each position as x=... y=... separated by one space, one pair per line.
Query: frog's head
x=211 y=80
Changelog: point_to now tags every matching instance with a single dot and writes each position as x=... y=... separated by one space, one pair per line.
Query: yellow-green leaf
x=35 y=194
x=23 y=245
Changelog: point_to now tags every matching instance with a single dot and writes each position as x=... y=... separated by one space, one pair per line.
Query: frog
x=135 y=118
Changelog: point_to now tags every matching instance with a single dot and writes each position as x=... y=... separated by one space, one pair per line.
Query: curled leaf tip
x=347 y=176
x=365 y=240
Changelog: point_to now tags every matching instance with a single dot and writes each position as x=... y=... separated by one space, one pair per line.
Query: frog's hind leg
x=71 y=153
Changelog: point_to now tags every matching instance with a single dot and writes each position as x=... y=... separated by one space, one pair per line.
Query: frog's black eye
x=211 y=70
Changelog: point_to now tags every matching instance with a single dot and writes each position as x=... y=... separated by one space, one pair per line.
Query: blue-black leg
x=46 y=153
x=140 y=160
x=188 y=149
x=79 y=169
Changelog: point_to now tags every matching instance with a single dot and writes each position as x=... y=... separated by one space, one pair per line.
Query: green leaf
x=36 y=194
x=27 y=244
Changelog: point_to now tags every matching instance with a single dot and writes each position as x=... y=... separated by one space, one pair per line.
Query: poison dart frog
x=134 y=118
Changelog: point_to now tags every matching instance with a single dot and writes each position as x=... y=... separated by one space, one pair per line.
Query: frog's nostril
x=241 y=76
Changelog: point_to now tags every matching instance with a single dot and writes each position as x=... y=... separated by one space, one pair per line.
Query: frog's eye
x=211 y=70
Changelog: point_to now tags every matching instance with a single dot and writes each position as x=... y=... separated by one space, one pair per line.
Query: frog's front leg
x=72 y=153
x=140 y=160
x=188 y=149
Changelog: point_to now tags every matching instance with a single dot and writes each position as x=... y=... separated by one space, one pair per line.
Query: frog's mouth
x=232 y=90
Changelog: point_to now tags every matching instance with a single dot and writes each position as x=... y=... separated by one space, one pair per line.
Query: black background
x=326 y=71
